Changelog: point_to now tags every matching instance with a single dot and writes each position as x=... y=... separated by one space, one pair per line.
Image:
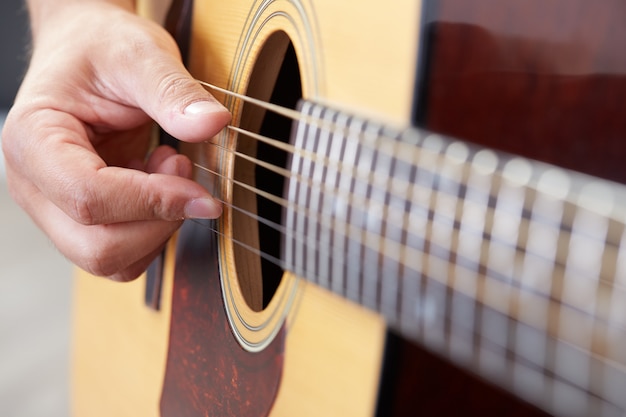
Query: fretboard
x=512 y=268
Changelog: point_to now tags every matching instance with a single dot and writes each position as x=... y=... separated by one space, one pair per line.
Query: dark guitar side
x=545 y=80
x=540 y=79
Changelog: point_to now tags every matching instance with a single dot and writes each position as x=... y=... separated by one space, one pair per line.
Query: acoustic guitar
x=424 y=215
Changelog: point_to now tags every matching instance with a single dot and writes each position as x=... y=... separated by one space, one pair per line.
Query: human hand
x=76 y=138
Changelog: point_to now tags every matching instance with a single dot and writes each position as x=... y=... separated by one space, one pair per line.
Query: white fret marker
x=457 y=152
x=433 y=143
x=518 y=171
x=598 y=198
x=485 y=162
x=555 y=183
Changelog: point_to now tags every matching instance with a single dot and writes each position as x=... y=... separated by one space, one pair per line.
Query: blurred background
x=35 y=280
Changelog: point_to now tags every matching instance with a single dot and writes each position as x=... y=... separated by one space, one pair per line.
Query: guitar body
x=333 y=349
x=232 y=337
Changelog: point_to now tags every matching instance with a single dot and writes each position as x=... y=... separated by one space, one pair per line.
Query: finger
x=132 y=70
x=156 y=81
x=114 y=195
x=133 y=271
x=65 y=168
x=166 y=160
x=119 y=251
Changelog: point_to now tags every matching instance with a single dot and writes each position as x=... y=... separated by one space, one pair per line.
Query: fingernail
x=203 y=107
x=203 y=208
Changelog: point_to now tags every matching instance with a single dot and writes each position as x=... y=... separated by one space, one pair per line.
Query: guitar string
x=340 y=193
x=288 y=113
x=403 y=151
x=609 y=246
x=286 y=147
x=494 y=276
x=284 y=171
x=407 y=152
x=507 y=349
x=349 y=195
x=299 y=116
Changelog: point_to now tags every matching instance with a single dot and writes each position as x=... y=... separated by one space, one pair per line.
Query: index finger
x=67 y=170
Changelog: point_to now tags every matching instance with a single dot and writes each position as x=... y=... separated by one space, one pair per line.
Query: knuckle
x=145 y=42
x=10 y=143
x=98 y=269
x=85 y=206
x=162 y=205
x=98 y=261
x=139 y=43
x=103 y=257
x=172 y=86
x=7 y=139
x=164 y=210
x=128 y=275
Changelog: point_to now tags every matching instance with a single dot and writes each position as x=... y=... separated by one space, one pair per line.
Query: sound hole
x=275 y=78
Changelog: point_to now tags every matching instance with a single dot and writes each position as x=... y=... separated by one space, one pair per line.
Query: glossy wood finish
x=208 y=373
x=546 y=80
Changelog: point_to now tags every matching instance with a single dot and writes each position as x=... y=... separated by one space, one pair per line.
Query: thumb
x=164 y=89
x=184 y=109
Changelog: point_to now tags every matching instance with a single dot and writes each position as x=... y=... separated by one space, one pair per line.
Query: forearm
x=43 y=11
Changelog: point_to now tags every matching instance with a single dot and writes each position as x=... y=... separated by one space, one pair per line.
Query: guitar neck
x=509 y=267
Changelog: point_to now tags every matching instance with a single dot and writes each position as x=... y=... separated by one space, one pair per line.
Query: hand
x=76 y=138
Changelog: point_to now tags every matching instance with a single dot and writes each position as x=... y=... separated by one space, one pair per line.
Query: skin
x=76 y=139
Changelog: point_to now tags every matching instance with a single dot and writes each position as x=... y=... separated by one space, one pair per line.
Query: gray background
x=35 y=280
x=14 y=41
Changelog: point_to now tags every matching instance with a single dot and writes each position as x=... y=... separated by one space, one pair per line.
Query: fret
x=326 y=174
x=461 y=310
x=587 y=247
x=511 y=268
x=620 y=273
x=430 y=299
x=316 y=144
x=461 y=337
x=357 y=167
x=474 y=225
x=412 y=307
x=371 y=215
x=289 y=240
x=528 y=372
x=339 y=229
x=540 y=273
x=573 y=364
x=395 y=201
x=479 y=222
x=291 y=249
x=306 y=169
x=492 y=342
